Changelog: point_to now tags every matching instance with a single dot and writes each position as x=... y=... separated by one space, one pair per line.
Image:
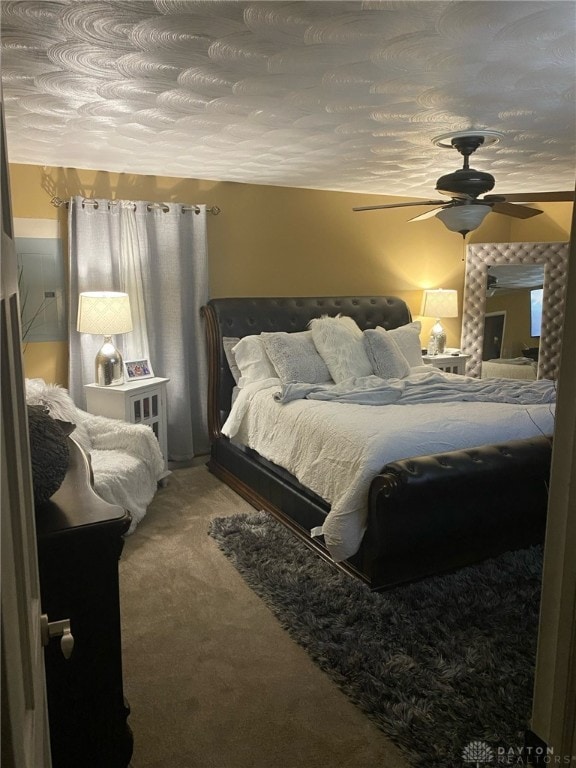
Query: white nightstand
x=446 y=362
x=139 y=402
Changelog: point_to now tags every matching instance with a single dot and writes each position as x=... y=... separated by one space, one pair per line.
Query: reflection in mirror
x=500 y=279
x=512 y=321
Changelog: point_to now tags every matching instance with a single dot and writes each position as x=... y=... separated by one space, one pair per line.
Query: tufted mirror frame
x=480 y=256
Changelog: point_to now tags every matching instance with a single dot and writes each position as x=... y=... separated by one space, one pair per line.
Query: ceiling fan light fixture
x=463 y=218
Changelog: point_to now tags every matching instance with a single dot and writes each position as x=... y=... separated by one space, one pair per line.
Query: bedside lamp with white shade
x=106 y=313
x=439 y=303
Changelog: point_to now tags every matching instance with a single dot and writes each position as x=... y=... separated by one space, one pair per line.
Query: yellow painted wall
x=287 y=241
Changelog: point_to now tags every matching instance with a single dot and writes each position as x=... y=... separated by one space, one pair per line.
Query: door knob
x=61 y=629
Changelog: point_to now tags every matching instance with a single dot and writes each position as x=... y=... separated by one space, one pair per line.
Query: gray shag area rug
x=437 y=665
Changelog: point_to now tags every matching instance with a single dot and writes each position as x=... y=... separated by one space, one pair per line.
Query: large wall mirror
x=509 y=280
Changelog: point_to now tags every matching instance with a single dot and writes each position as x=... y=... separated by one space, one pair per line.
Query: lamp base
x=437 y=341
x=108 y=365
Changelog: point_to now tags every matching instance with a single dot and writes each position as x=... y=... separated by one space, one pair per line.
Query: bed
x=421 y=512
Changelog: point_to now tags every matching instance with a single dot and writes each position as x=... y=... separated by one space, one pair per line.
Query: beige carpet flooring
x=211 y=678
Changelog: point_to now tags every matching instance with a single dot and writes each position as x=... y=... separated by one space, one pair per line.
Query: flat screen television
x=536 y=311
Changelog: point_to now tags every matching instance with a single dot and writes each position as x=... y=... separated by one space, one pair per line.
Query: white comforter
x=337 y=448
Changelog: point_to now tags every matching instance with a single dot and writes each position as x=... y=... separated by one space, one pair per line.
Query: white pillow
x=341 y=346
x=347 y=322
x=229 y=342
x=407 y=337
x=295 y=357
x=252 y=361
x=387 y=359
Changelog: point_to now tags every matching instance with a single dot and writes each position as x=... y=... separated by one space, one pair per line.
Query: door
x=493 y=335
x=25 y=738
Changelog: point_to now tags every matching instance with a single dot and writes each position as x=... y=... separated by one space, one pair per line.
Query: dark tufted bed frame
x=427 y=514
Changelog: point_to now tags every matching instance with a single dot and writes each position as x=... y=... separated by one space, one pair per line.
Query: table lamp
x=106 y=313
x=439 y=303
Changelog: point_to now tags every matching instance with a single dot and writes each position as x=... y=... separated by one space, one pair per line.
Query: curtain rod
x=214 y=210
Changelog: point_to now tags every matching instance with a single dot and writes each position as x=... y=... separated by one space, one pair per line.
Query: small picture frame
x=137 y=369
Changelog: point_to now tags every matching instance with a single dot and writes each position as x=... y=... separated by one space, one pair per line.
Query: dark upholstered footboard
x=427 y=515
x=436 y=513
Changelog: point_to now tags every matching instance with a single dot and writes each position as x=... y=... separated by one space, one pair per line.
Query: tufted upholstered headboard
x=245 y=316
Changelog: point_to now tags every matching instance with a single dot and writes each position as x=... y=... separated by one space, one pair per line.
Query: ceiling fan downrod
x=466 y=183
x=467 y=145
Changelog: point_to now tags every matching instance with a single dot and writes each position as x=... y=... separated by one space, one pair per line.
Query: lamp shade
x=440 y=303
x=104 y=312
x=463 y=218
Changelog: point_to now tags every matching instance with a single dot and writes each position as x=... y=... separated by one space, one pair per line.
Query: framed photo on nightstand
x=137 y=369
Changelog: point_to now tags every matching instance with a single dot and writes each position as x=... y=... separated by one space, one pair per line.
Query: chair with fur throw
x=126 y=460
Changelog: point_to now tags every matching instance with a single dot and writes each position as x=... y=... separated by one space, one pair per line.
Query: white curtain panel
x=157 y=253
x=134 y=259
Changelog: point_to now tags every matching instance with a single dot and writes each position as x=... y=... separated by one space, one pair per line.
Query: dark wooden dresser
x=79 y=545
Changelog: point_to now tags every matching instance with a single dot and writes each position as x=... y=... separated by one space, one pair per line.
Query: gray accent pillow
x=228 y=342
x=386 y=357
x=49 y=453
x=295 y=357
x=408 y=339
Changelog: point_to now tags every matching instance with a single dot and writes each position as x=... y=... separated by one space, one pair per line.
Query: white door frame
x=554 y=705
x=25 y=735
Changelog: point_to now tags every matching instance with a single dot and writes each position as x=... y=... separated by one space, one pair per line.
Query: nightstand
x=447 y=362
x=138 y=402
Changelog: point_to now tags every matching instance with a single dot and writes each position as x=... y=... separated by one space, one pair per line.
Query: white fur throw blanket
x=126 y=459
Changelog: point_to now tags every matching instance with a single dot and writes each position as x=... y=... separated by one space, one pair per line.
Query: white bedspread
x=336 y=448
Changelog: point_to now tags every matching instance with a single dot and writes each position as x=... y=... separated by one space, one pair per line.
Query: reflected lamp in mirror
x=106 y=313
x=463 y=218
x=439 y=303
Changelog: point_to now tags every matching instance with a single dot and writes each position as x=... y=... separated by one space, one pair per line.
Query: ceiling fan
x=466 y=210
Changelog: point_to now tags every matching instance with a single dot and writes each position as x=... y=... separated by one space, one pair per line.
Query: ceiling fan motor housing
x=465 y=182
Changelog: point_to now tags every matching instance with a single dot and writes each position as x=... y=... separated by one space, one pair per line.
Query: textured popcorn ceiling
x=328 y=95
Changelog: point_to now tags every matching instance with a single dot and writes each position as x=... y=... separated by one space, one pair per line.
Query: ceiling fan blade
x=398 y=205
x=428 y=214
x=516 y=211
x=541 y=197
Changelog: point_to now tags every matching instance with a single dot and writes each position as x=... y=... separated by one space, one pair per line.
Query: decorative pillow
x=60 y=406
x=48 y=452
x=252 y=361
x=341 y=347
x=295 y=357
x=407 y=337
x=387 y=359
x=347 y=322
x=229 y=342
